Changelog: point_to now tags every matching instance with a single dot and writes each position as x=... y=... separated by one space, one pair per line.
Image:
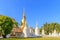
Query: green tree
x=49 y=27
x=6 y=23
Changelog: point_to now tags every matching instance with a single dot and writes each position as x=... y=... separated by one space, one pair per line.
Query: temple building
x=24 y=30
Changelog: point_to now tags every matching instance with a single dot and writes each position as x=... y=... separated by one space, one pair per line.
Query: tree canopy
x=49 y=27
x=6 y=24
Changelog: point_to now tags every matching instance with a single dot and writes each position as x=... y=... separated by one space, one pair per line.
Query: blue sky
x=41 y=11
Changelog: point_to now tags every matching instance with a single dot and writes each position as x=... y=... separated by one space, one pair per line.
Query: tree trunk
x=4 y=36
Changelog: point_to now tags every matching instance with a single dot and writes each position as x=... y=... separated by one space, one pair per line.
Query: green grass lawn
x=45 y=38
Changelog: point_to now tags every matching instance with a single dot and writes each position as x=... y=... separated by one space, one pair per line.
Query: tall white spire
x=23 y=22
x=23 y=12
x=37 y=32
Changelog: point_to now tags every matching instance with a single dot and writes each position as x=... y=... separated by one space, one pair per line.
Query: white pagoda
x=37 y=32
x=54 y=34
x=43 y=34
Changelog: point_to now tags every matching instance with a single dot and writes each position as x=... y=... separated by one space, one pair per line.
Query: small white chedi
x=43 y=32
x=50 y=35
x=54 y=33
x=59 y=34
x=37 y=32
